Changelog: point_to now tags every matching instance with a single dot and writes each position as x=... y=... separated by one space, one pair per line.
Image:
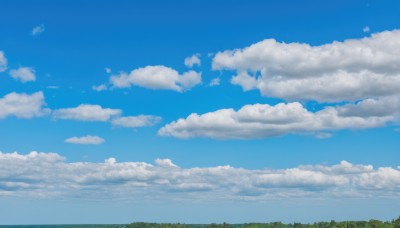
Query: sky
x=199 y=111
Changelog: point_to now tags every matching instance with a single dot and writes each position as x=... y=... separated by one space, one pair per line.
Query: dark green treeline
x=332 y=224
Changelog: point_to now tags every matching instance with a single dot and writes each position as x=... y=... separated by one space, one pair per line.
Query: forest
x=395 y=223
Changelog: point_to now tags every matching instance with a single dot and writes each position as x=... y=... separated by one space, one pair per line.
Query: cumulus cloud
x=40 y=174
x=263 y=120
x=22 y=105
x=88 y=139
x=157 y=77
x=136 y=121
x=23 y=74
x=37 y=30
x=192 y=60
x=351 y=70
x=3 y=62
x=86 y=112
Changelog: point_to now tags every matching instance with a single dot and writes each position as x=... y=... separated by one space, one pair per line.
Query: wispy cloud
x=136 y=121
x=86 y=112
x=88 y=139
x=99 y=88
x=3 y=62
x=37 y=30
x=215 y=82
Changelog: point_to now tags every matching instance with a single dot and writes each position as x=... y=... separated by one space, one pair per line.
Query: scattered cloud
x=366 y=29
x=40 y=174
x=351 y=70
x=88 y=139
x=23 y=74
x=22 y=105
x=99 y=88
x=136 y=121
x=38 y=30
x=52 y=87
x=322 y=135
x=3 y=62
x=215 y=82
x=263 y=120
x=157 y=77
x=192 y=60
x=86 y=112
x=108 y=70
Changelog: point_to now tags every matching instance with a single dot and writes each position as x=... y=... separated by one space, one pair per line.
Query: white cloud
x=322 y=135
x=86 y=112
x=23 y=74
x=192 y=60
x=366 y=29
x=3 y=62
x=263 y=120
x=38 y=30
x=88 y=139
x=23 y=105
x=245 y=80
x=136 y=121
x=40 y=174
x=339 y=71
x=157 y=77
x=108 y=70
x=215 y=82
x=99 y=88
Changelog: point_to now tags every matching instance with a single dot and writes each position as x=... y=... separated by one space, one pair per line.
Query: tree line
x=395 y=223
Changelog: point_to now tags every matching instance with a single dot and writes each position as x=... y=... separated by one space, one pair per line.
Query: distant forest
x=332 y=224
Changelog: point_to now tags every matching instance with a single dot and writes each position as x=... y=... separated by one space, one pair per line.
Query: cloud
x=86 y=112
x=108 y=70
x=99 y=88
x=322 y=135
x=215 y=82
x=88 y=139
x=38 y=30
x=3 y=62
x=263 y=120
x=40 y=174
x=22 y=105
x=136 y=121
x=157 y=77
x=192 y=60
x=351 y=70
x=366 y=29
x=23 y=74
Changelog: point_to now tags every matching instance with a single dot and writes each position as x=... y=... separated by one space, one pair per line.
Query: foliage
x=332 y=224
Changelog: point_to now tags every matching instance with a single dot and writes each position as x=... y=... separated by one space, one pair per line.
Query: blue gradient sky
x=80 y=39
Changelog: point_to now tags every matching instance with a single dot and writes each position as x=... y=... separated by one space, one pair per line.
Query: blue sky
x=257 y=104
